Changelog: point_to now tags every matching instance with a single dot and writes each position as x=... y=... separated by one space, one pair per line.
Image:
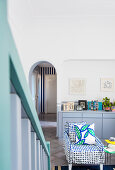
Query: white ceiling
x=65 y=8
x=57 y=30
x=31 y=9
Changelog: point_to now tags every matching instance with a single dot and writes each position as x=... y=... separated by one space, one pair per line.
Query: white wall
x=92 y=72
x=33 y=86
x=61 y=31
x=77 y=30
x=50 y=93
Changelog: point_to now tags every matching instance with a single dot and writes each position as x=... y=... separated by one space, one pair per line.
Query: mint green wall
x=11 y=69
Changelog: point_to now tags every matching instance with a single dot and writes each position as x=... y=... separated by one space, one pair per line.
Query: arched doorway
x=43 y=85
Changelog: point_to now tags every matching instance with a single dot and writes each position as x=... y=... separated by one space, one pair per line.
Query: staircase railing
x=22 y=143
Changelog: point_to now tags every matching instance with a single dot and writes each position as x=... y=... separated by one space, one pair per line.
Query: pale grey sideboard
x=104 y=121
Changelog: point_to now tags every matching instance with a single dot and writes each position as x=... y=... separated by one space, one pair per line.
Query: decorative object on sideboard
x=79 y=108
x=65 y=107
x=83 y=104
x=107 y=105
x=94 y=105
x=113 y=106
x=75 y=105
x=100 y=106
x=68 y=106
x=107 y=84
x=71 y=106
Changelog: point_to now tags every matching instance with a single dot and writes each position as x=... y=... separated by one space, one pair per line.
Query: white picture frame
x=107 y=84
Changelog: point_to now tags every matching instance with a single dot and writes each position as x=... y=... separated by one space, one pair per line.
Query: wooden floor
x=57 y=151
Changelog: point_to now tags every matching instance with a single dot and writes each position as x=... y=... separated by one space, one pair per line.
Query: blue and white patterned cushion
x=85 y=134
x=97 y=147
x=72 y=132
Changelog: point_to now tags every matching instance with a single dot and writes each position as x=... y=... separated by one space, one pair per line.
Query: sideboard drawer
x=91 y=115
x=109 y=115
x=72 y=114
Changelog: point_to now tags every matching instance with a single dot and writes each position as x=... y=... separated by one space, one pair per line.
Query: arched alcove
x=43 y=86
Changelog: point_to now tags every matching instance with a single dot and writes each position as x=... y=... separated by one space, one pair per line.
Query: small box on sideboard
x=100 y=106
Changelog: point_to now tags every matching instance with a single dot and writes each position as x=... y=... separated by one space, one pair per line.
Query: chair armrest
x=67 y=141
x=99 y=143
x=68 y=147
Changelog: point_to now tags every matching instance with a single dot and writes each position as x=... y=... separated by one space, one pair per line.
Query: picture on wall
x=77 y=86
x=107 y=84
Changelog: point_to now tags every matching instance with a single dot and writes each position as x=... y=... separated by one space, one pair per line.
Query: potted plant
x=106 y=104
x=113 y=106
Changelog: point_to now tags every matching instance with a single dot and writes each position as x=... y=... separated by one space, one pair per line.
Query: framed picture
x=83 y=103
x=107 y=84
x=77 y=86
x=65 y=107
x=71 y=106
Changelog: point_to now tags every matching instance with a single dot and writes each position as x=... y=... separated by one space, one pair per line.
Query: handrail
x=11 y=65
x=19 y=82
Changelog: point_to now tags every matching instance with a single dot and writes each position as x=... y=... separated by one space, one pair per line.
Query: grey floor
x=48 y=123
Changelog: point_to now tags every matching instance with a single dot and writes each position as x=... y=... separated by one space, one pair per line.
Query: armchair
x=83 y=154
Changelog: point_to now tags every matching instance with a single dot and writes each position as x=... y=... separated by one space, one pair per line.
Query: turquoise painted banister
x=11 y=69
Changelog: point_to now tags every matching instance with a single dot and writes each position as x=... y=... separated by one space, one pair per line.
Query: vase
x=107 y=109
